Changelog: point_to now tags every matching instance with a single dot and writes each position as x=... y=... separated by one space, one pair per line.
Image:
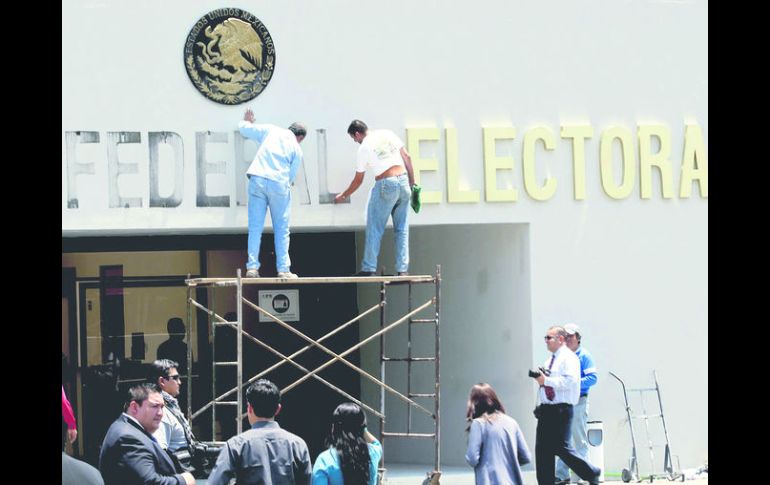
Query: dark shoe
x=403 y=273
x=364 y=273
x=562 y=482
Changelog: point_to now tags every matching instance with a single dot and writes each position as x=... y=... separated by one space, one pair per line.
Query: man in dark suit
x=130 y=455
x=76 y=472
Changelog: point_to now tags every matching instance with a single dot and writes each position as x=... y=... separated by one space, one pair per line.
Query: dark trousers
x=553 y=439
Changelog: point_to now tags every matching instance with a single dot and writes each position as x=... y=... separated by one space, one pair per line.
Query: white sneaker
x=252 y=273
x=287 y=275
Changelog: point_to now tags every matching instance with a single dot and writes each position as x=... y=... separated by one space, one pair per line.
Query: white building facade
x=561 y=148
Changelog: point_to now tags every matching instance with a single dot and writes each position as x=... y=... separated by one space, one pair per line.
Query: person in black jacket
x=76 y=472
x=175 y=347
x=129 y=454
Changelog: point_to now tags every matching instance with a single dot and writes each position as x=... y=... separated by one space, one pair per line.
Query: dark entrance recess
x=307 y=409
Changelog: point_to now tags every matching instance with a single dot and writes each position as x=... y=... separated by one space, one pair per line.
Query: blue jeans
x=264 y=193
x=579 y=434
x=389 y=197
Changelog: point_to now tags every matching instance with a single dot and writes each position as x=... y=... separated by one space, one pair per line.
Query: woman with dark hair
x=353 y=452
x=496 y=446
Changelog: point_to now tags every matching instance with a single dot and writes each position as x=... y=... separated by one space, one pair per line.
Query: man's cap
x=571 y=328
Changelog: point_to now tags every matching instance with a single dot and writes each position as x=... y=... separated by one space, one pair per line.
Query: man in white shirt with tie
x=557 y=395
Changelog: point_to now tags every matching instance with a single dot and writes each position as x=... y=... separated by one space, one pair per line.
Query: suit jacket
x=129 y=456
x=76 y=472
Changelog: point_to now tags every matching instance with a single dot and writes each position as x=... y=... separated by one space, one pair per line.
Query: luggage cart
x=632 y=472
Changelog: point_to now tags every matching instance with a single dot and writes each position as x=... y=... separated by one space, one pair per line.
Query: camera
x=536 y=373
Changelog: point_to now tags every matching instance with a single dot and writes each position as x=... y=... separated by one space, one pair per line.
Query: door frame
x=81 y=361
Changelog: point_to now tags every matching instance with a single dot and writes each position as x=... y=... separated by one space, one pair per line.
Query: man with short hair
x=76 y=472
x=175 y=347
x=265 y=453
x=174 y=432
x=271 y=176
x=384 y=152
x=559 y=392
x=588 y=378
x=130 y=455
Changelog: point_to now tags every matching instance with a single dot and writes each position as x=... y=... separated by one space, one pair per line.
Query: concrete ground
x=455 y=475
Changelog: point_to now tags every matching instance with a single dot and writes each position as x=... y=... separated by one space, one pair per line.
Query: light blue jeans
x=264 y=193
x=579 y=437
x=389 y=197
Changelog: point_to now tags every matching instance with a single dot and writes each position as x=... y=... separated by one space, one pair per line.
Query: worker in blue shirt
x=271 y=176
x=588 y=378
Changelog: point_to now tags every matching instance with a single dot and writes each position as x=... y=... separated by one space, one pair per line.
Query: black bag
x=538 y=411
x=199 y=459
x=182 y=460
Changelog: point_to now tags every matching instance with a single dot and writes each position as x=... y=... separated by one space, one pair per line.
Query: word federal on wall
x=623 y=158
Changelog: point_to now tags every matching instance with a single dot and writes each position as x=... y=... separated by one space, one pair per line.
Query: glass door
x=124 y=325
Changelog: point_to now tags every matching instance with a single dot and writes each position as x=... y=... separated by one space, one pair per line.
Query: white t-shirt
x=380 y=150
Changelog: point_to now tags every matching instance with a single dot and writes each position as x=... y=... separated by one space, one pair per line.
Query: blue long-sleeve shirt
x=278 y=156
x=588 y=375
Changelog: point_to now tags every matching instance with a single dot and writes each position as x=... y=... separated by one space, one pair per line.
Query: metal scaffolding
x=384 y=282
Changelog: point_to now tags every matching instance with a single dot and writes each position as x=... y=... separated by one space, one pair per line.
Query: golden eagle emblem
x=229 y=56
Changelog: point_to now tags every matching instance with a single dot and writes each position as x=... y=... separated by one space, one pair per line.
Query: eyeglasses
x=550 y=337
x=176 y=377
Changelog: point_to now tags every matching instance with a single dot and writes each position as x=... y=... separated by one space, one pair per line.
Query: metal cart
x=632 y=472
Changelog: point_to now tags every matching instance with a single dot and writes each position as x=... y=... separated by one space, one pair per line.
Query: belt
x=584 y=395
x=557 y=405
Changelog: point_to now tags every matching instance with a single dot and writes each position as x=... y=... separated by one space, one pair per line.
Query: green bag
x=415 y=203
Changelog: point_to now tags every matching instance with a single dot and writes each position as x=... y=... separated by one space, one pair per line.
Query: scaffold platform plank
x=310 y=280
